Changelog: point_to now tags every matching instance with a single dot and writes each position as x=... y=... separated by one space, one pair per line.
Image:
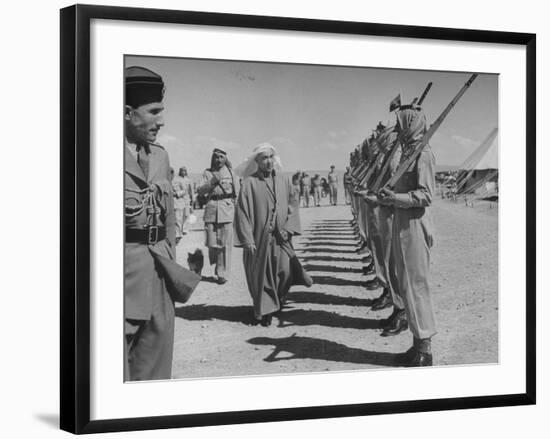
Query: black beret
x=143 y=86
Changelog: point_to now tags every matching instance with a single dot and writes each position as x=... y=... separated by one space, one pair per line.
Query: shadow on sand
x=297 y=348
x=326 y=299
x=304 y=243
x=330 y=280
x=328 y=259
x=326 y=250
x=331 y=268
x=300 y=317
x=288 y=317
x=237 y=314
x=323 y=236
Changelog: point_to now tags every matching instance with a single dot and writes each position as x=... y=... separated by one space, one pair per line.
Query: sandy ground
x=330 y=326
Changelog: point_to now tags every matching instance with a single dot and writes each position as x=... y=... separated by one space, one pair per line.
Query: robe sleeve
x=244 y=213
x=293 y=220
x=423 y=194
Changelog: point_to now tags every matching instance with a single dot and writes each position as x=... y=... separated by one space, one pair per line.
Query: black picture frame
x=75 y=217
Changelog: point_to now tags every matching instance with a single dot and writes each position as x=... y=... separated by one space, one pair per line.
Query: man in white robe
x=265 y=222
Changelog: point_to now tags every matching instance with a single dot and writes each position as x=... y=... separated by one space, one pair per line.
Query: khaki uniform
x=183 y=198
x=148 y=307
x=333 y=187
x=305 y=183
x=218 y=217
x=316 y=183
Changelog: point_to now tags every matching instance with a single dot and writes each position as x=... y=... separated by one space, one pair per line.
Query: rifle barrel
x=433 y=128
x=425 y=93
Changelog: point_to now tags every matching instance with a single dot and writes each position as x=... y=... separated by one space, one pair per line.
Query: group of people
x=394 y=225
x=255 y=202
x=314 y=188
x=255 y=207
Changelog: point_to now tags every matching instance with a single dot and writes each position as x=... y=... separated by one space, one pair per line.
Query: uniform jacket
x=220 y=211
x=139 y=264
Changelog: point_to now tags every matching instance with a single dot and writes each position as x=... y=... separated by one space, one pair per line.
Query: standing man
x=264 y=225
x=305 y=183
x=316 y=184
x=220 y=188
x=412 y=236
x=183 y=201
x=333 y=186
x=149 y=249
x=348 y=181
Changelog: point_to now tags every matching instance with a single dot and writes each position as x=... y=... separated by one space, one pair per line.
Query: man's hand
x=283 y=234
x=386 y=197
x=214 y=180
x=250 y=248
x=370 y=198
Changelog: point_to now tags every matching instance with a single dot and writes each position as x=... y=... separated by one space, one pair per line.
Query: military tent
x=478 y=175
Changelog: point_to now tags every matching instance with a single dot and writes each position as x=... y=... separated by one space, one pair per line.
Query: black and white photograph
x=285 y=218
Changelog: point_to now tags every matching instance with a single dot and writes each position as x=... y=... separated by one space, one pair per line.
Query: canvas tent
x=478 y=175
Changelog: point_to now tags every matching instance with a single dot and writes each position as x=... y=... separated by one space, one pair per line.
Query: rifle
x=405 y=165
x=389 y=157
x=357 y=170
x=365 y=178
x=362 y=173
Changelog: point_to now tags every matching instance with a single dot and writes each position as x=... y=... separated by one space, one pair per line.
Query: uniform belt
x=221 y=197
x=148 y=235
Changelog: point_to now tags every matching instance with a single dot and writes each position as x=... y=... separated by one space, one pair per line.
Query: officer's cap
x=143 y=86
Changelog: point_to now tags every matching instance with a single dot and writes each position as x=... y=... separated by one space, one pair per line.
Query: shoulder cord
x=149 y=202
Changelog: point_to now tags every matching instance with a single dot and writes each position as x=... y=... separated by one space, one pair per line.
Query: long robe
x=413 y=229
x=260 y=215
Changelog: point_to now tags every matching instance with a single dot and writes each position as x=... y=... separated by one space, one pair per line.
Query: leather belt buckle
x=152 y=235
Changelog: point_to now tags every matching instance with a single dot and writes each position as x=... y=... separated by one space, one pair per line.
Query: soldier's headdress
x=143 y=86
x=411 y=125
x=219 y=151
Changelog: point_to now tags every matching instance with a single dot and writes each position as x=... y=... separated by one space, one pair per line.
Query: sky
x=314 y=115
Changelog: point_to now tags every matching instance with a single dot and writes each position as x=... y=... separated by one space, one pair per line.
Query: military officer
x=149 y=232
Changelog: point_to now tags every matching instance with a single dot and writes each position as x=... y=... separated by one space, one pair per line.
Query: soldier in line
x=412 y=235
x=347 y=185
x=150 y=271
x=220 y=188
x=380 y=224
x=333 y=186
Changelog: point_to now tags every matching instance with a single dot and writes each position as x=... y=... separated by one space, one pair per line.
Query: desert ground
x=330 y=325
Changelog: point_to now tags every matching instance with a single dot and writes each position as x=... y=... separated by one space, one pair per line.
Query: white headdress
x=249 y=166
